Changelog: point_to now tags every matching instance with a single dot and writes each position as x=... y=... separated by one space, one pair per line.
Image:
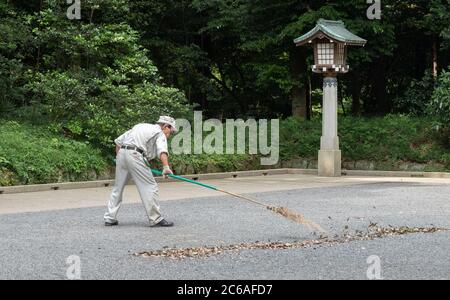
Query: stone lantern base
x=330 y=163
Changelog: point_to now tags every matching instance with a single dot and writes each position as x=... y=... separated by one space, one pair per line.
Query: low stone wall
x=301 y=163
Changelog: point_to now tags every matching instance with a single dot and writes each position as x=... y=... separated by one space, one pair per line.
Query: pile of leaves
x=373 y=232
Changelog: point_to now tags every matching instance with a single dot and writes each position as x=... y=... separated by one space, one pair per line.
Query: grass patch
x=32 y=155
x=35 y=154
x=386 y=140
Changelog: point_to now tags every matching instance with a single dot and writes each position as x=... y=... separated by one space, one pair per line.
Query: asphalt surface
x=36 y=245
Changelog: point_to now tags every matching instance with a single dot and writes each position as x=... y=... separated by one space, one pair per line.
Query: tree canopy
x=235 y=58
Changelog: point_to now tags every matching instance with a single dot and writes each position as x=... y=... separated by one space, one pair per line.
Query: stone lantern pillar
x=329 y=153
x=330 y=40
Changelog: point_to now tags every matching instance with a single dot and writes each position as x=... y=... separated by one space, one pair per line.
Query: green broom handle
x=159 y=173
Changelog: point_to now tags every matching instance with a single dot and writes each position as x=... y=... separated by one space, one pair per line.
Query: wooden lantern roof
x=334 y=30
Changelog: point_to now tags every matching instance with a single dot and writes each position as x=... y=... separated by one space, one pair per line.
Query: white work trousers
x=131 y=163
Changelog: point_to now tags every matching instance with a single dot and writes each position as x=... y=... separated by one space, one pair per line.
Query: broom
x=279 y=210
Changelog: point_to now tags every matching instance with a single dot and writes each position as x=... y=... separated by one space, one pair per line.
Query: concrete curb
x=200 y=177
x=106 y=183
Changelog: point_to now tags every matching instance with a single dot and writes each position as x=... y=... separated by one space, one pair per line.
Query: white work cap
x=165 y=120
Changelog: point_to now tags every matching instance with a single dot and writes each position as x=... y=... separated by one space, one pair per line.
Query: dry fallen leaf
x=373 y=232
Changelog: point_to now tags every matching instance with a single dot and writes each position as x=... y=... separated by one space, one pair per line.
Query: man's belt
x=133 y=148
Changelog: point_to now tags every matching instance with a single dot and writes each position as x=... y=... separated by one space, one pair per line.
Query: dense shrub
x=31 y=155
x=417 y=97
x=99 y=111
x=93 y=82
x=299 y=138
x=440 y=104
x=390 y=138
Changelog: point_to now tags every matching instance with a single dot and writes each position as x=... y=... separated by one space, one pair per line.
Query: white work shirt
x=147 y=137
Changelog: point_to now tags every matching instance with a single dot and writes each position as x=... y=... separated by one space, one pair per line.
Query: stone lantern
x=330 y=40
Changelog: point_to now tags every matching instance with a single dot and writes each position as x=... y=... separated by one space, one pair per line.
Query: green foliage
x=392 y=138
x=119 y=108
x=127 y=62
x=93 y=81
x=100 y=110
x=32 y=155
x=386 y=141
x=192 y=164
x=58 y=95
x=231 y=58
x=417 y=98
x=12 y=91
x=440 y=104
x=299 y=138
x=246 y=59
x=13 y=38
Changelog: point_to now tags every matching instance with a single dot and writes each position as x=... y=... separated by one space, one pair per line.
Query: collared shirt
x=147 y=137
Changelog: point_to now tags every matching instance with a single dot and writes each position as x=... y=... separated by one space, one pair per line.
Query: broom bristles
x=295 y=217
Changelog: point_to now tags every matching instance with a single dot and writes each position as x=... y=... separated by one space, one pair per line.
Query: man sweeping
x=147 y=141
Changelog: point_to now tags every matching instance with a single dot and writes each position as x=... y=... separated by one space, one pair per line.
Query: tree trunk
x=383 y=104
x=308 y=99
x=435 y=57
x=299 y=97
x=356 y=95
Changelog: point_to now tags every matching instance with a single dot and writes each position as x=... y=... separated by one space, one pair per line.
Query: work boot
x=163 y=223
x=112 y=223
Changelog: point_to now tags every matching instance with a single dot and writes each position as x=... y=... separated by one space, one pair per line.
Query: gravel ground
x=37 y=245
